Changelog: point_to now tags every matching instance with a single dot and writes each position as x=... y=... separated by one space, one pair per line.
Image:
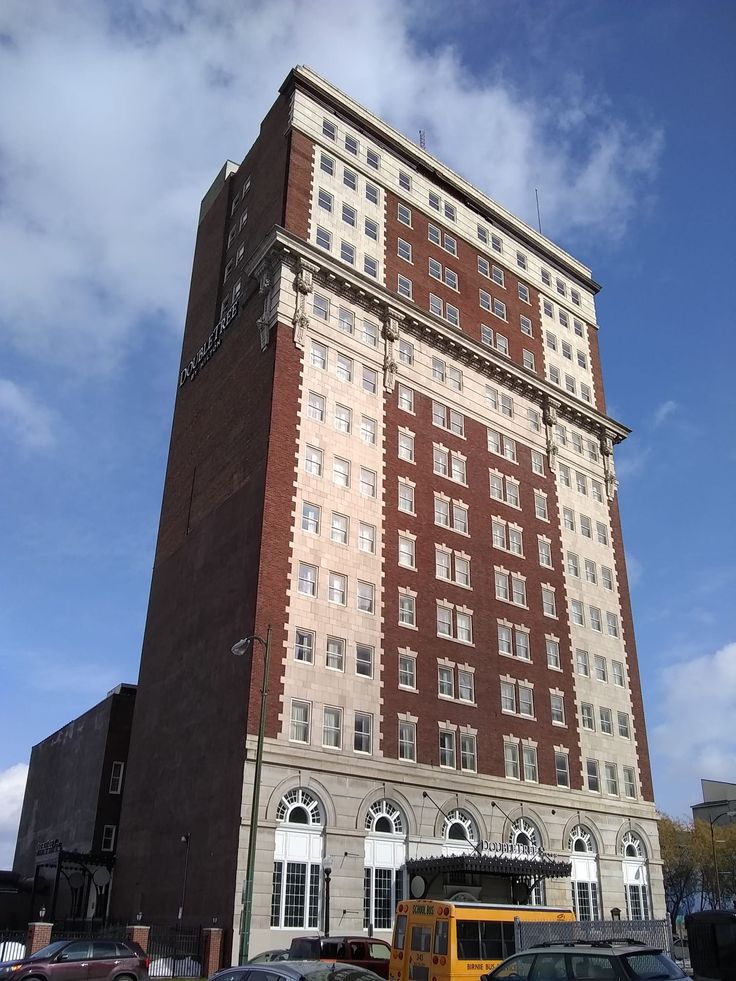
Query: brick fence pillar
x=212 y=959
x=38 y=935
x=140 y=935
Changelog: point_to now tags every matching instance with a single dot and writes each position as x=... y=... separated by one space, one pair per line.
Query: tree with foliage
x=681 y=866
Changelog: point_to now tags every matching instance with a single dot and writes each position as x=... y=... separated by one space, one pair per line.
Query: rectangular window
x=612 y=779
x=553 y=653
x=557 y=707
x=617 y=669
x=465 y=685
x=593 y=779
x=445 y=681
x=407 y=552
x=406 y=497
x=526 y=701
x=332 y=727
x=577 y=610
x=300 y=720
x=447 y=748
x=310 y=518
x=313 y=461
x=623 y=725
x=528 y=360
x=496 y=243
x=524 y=293
x=364 y=660
x=629 y=782
x=363 y=732
x=321 y=307
x=341 y=472
x=407 y=671
x=324 y=238
x=450 y=212
x=329 y=129
x=483 y=234
x=108 y=838
x=595 y=618
x=335 y=654
x=370 y=228
x=521 y=260
x=408 y=741
x=367 y=538
x=366 y=597
x=404 y=287
x=404 y=250
x=307 y=584
x=371 y=193
x=434 y=201
x=326 y=164
x=304 y=646
x=337 y=588
x=404 y=180
x=606 y=720
x=372 y=159
x=347 y=253
x=545 y=552
x=508 y=697
x=468 y=761
x=351 y=144
x=530 y=763
x=540 y=505
x=587 y=716
x=340 y=528
x=350 y=179
x=582 y=663
x=349 y=215
x=511 y=760
x=562 y=770
x=407 y=610
x=116 y=777
x=548 y=602
x=599 y=664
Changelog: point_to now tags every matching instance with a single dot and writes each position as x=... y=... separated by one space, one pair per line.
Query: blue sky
x=115 y=119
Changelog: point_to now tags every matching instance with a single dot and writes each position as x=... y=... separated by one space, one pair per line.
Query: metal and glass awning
x=519 y=866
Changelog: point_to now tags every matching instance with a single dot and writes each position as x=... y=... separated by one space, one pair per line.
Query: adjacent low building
x=71 y=811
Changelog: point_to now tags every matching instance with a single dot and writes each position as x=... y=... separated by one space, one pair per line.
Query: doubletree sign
x=203 y=355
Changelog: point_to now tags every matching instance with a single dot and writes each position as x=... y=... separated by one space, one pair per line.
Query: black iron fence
x=529 y=933
x=88 y=930
x=12 y=945
x=175 y=952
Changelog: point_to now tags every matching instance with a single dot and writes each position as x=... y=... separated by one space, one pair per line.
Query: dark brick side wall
x=62 y=790
x=595 y=367
x=627 y=622
x=484 y=656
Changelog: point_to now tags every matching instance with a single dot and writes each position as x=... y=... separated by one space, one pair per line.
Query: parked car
x=269 y=956
x=81 y=960
x=359 y=951
x=613 y=960
x=296 y=971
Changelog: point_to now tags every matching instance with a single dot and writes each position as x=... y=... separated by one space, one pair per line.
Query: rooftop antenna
x=539 y=220
x=422 y=139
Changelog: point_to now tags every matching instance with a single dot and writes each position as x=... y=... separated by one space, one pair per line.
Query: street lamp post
x=239 y=649
x=713 y=822
x=185 y=842
x=327 y=872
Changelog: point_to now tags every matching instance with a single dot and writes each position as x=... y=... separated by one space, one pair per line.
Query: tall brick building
x=390 y=444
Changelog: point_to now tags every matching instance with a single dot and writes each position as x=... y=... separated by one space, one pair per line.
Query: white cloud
x=630 y=459
x=694 y=736
x=26 y=421
x=12 y=788
x=663 y=412
x=122 y=114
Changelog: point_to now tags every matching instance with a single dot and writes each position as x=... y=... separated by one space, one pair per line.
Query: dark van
x=359 y=951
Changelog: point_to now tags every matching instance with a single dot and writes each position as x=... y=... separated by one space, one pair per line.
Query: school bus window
x=400 y=931
x=440 y=936
x=484 y=940
x=421 y=938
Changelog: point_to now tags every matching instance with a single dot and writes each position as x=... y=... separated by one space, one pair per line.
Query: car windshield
x=646 y=967
x=327 y=972
x=48 y=951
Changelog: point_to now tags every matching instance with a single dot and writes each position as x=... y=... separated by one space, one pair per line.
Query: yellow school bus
x=439 y=941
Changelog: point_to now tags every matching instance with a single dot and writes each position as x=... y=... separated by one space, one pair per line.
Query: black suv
x=602 y=960
x=80 y=960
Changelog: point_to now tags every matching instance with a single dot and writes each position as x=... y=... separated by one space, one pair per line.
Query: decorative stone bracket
x=550 y=420
x=264 y=273
x=391 y=326
x=608 y=466
x=303 y=286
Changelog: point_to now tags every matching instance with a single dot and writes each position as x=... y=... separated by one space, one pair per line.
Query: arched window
x=636 y=879
x=383 y=866
x=584 y=875
x=524 y=835
x=459 y=833
x=297 y=861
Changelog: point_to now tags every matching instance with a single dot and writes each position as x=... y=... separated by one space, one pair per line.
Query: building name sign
x=48 y=847
x=203 y=355
x=511 y=850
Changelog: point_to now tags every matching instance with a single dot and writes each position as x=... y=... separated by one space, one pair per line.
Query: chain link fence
x=530 y=933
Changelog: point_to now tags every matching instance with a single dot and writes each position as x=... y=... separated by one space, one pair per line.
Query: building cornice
x=377 y=300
